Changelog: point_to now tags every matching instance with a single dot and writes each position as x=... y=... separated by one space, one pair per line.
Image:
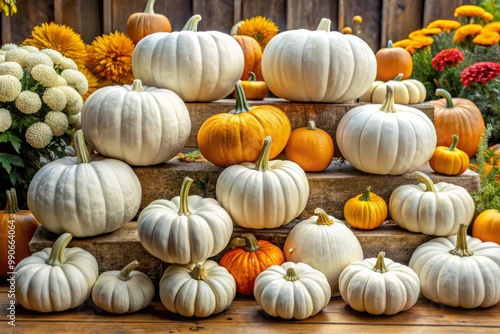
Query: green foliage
x=491 y=6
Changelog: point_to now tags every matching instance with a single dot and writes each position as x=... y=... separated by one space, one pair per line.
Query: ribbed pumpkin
x=460 y=117
x=391 y=61
x=252 y=53
x=227 y=139
x=486 y=226
x=449 y=160
x=145 y=23
x=310 y=147
x=248 y=258
x=408 y=91
x=15 y=226
x=365 y=211
x=254 y=89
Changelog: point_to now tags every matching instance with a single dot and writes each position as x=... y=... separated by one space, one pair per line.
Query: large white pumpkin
x=386 y=139
x=319 y=65
x=197 y=65
x=142 y=126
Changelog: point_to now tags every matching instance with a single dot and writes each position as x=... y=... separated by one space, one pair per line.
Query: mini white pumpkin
x=56 y=279
x=197 y=290
x=379 y=286
x=292 y=290
x=459 y=270
x=124 y=291
x=409 y=91
x=433 y=209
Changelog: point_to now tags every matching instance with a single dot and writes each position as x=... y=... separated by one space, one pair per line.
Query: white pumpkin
x=264 y=194
x=326 y=244
x=124 y=291
x=56 y=279
x=84 y=196
x=184 y=229
x=197 y=65
x=379 y=286
x=197 y=290
x=459 y=270
x=142 y=126
x=319 y=65
x=433 y=209
x=386 y=139
x=409 y=91
x=292 y=290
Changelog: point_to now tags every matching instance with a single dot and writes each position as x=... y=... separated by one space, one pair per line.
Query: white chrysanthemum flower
x=54 y=98
x=77 y=80
x=28 y=102
x=73 y=109
x=61 y=81
x=17 y=55
x=74 y=101
x=5 y=120
x=38 y=135
x=57 y=121
x=10 y=88
x=68 y=64
x=30 y=48
x=2 y=58
x=34 y=59
x=44 y=74
x=12 y=68
x=9 y=46
x=55 y=55
x=73 y=119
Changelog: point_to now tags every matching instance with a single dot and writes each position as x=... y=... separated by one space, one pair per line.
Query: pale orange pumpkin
x=486 y=226
x=391 y=61
x=145 y=23
x=253 y=56
x=254 y=89
x=449 y=160
x=365 y=211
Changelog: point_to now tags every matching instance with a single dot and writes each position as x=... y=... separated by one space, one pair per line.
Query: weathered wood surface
x=382 y=19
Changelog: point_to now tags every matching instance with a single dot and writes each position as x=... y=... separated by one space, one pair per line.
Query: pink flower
x=447 y=57
x=481 y=72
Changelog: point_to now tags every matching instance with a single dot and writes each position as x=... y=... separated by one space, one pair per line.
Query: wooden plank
x=436 y=9
x=399 y=18
x=6 y=29
x=306 y=14
x=371 y=13
x=274 y=10
x=216 y=14
x=177 y=11
x=84 y=16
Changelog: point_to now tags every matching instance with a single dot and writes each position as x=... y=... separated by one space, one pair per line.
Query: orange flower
x=445 y=25
x=347 y=30
x=402 y=43
x=469 y=11
x=493 y=26
x=487 y=37
x=425 y=32
x=260 y=28
x=419 y=42
x=486 y=16
x=465 y=31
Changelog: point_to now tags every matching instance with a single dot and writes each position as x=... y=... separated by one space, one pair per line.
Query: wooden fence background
x=382 y=19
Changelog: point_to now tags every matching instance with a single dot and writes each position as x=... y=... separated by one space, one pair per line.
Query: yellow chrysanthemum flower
x=493 y=26
x=445 y=25
x=28 y=102
x=465 y=31
x=487 y=37
x=93 y=82
x=469 y=11
x=10 y=88
x=425 y=32
x=5 y=120
x=38 y=135
x=54 y=98
x=57 y=121
x=419 y=42
x=58 y=37
x=347 y=30
x=110 y=58
x=402 y=43
x=260 y=28
x=12 y=68
x=8 y=7
x=357 y=19
x=486 y=16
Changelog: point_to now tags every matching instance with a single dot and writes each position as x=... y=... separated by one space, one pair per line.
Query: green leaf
x=9 y=160
x=9 y=137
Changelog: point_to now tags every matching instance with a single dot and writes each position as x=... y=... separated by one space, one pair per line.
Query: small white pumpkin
x=433 y=209
x=326 y=244
x=409 y=91
x=292 y=290
x=184 y=229
x=197 y=290
x=124 y=291
x=459 y=270
x=379 y=286
x=264 y=194
x=56 y=279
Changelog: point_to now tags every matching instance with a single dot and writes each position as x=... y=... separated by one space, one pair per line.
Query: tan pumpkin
x=145 y=23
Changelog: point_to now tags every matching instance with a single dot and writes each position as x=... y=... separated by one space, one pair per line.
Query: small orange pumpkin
x=391 y=61
x=457 y=116
x=449 y=160
x=310 y=147
x=16 y=230
x=248 y=258
x=365 y=211
x=252 y=53
x=486 y=226
x=145 y=23
x=253 y=88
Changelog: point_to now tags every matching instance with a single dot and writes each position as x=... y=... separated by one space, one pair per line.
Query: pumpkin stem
x=247 y=241
x=453 y=145
x=82 y=153
x=124 y=275
x=183 y=205
x=290 y=275
x=449 y=100
x=461 y=247
x=11 y=206
x=366 y=195
x=137 y=85
x=324 y=24
x=56 y=257
x=425 y=179
x=388 y=105
x=241 y=105
x=380 y=264
x=262 y=163
x=323 y=218
x=311 y=125
x=252 y=76
x=390 y=44
x=149 y=7
x=399 y=77
x=192 y=23
x=199 y=272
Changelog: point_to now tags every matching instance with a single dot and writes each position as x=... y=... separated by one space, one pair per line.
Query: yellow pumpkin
x=449 y=160
x=365 y=211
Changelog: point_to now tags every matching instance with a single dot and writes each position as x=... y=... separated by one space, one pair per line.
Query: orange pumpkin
x=449 y=160
x=486 y=226
x=253 y=88
x=16 y=230
x=310 y=147
x=248 y=258
x=145 y=23
x=392 y=61
x=460 y=117
x=253 y=56
x=365 y=211
x=227 y=139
